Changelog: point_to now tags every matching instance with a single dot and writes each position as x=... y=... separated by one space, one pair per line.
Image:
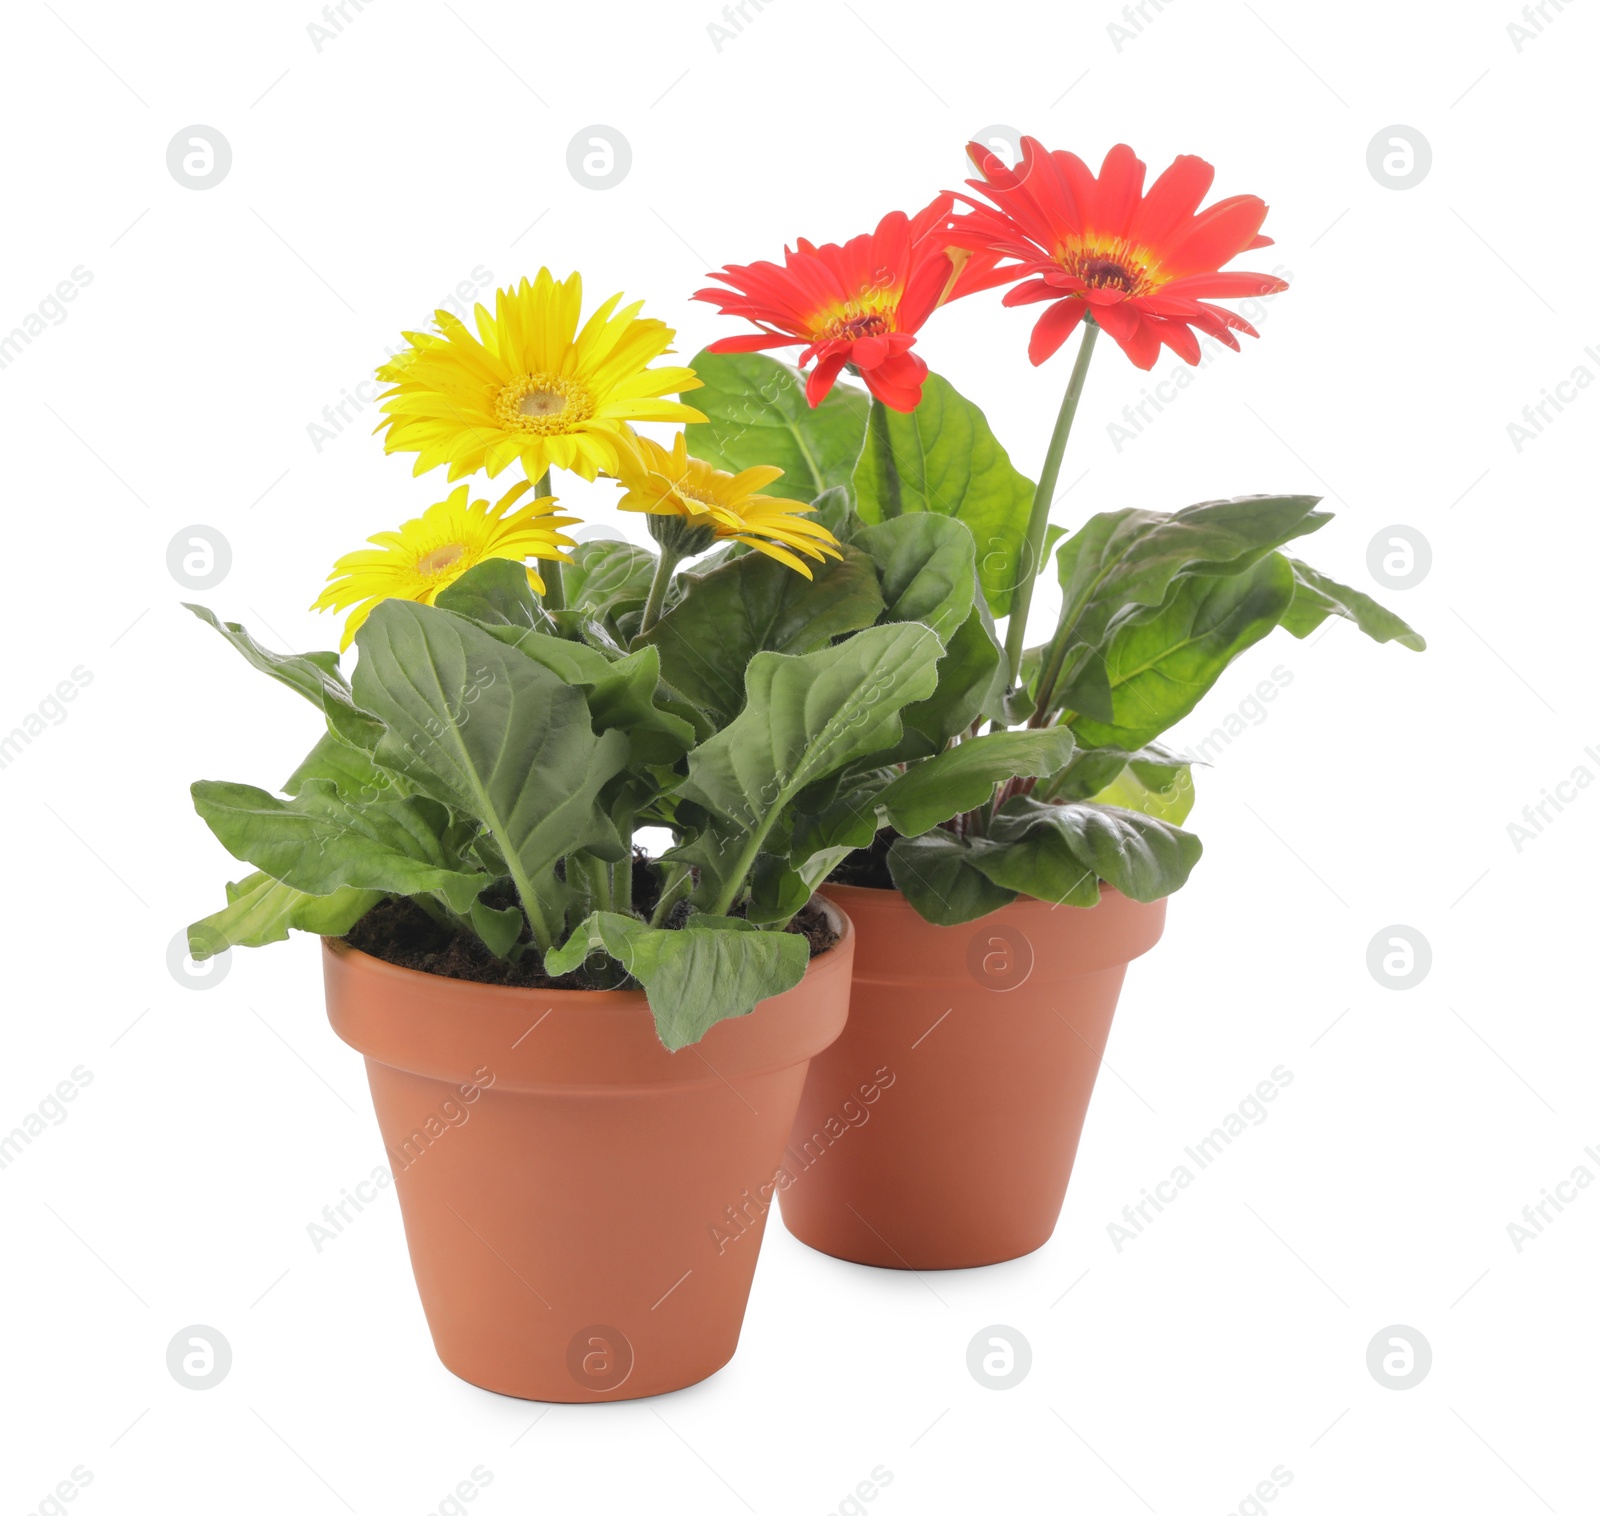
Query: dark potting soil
x=867 y=867
x=401 y=932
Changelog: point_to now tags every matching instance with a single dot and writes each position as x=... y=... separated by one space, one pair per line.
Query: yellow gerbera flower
x=664 y=483
x=531 y=386
x=430 y=553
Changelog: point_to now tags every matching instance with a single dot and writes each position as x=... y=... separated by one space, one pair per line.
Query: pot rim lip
x=593 y=999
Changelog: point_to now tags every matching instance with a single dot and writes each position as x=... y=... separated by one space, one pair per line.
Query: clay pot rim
x=588 y=1041
x=513 y=994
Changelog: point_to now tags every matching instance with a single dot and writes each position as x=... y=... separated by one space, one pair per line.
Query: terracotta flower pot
x=583 y=1208
x=939 y=1131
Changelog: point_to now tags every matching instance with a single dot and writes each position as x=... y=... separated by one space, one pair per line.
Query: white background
x=428 y=139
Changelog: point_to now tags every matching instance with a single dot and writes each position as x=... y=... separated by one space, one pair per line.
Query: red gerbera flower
x=1143 y=262
x=861 y=303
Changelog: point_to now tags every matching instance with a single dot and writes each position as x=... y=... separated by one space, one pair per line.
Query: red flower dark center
x=1103 y=273
x=1110 y=267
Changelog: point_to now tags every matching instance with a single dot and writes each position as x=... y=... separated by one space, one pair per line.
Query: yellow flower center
x=441 y=558
x=852 y=323
x=543 y=403
x=1112 y=265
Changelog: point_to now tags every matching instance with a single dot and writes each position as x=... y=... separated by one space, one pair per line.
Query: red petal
x=1214 y=236
x=1172 y=200
x=1031 y=293
x=1178 y=337
x=1117 y=192
x=1224 y=285
x=753 y=343
x=1053 y=328
x=1130 y=332
x=823 y=377
x=869 y=352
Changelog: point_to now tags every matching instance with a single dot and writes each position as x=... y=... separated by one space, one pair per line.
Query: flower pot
x=939 y=1131
x=583 y=1208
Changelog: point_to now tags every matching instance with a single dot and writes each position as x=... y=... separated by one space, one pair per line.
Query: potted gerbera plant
x=1013 y=851
x=580 y=1058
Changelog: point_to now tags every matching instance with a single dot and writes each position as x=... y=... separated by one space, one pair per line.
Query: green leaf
x=937 y=873
x=1123 y=562
x=942 y=458
x=496 y=592
x=1041 y=865
x=493 y=734
x=756 y=414
x=607 y=577
x=498 y=927
x=808 y=716
x=694 y=976
x=834 y=817
x=623 y=693
x=1133 y=790
x=972 y=681
x=835 y=511
x=805 y=717
x=927 y=569
x=314 y=675
x=1316 y=597
x=350 y=770
x=260 y=910
x=964 y=777
x=1113 y=776
x=1146 y=859
x=776 y=890
x=754 y=604
x=1158 y=666
x=320 y=842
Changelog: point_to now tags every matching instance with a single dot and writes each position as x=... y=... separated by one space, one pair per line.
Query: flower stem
x=555 y=598
x=671 y=893
x=659 y=585
x=878 y=425
x=1039 y=518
